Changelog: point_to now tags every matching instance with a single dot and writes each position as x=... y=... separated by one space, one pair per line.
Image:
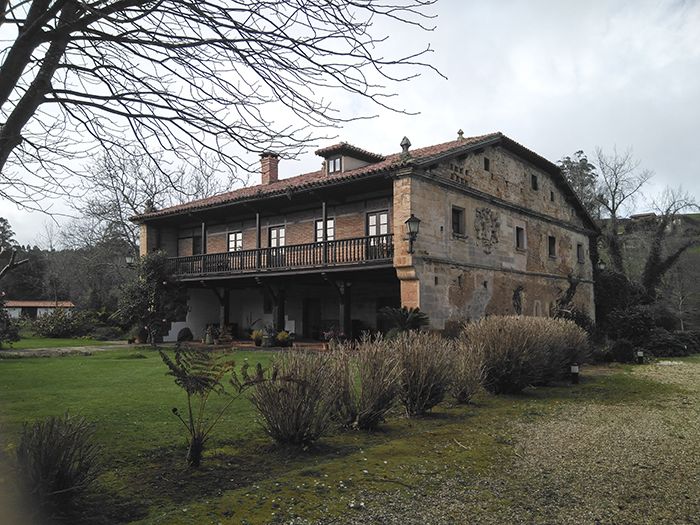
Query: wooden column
x=257 y=240
x=345 y=311
x=224 y=307
x=204 y=238
x=324 y=225
x=278 y=310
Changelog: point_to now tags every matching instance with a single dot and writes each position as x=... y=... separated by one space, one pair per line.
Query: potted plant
x=257 y=337
x=269 y=337
x=209 y=335
x=284 y=338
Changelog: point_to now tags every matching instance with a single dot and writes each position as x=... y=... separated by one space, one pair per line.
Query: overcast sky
x=556 y=76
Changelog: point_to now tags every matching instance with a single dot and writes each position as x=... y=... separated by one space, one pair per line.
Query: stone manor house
x=499 y=231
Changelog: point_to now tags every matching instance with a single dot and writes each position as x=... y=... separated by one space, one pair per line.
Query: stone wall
x=476 y=272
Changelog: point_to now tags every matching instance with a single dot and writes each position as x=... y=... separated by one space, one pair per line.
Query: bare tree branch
x=618 y=186
x=183 y=79
x=12 y=263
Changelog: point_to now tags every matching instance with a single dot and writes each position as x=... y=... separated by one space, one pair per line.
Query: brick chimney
x=268 y=167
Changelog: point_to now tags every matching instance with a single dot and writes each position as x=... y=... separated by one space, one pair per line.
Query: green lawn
x=30 y=342
x=406 y=469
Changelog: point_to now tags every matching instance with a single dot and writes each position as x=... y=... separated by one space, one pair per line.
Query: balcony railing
x=343 y=252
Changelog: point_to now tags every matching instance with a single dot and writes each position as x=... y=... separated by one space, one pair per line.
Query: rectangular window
x=519 y=238
x=458 y=226
x=197 y=246
x=487 y=164
x=330 y=230
x=276 y=236
x=551 y=196
x=580 y=254
x=334 y=165
x=235 y=241
x=378 y=223
x=552 y=246
x=534 y=184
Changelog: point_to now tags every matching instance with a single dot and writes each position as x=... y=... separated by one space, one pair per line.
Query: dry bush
x=368 y=377
x=523 y=351
x=297 y=400
x=469 y=370
x=58 y=460
x=426 y=365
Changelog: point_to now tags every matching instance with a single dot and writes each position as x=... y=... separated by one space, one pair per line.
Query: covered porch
x=307 y=304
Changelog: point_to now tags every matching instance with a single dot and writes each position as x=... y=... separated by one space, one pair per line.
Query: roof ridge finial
x=460 y=134
x=405 y=145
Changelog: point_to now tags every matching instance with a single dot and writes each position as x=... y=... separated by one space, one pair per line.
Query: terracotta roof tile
x=38 y=304
x=353 y=151
x=319 y=178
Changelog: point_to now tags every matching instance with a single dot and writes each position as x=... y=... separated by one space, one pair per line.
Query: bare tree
x=123 y=183
x=8 y=249
x=222 y=77
x=680 y=290
x=619 y=186
x=670 y=204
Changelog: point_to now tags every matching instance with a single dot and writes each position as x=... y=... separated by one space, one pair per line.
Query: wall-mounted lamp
x=601 y=266
x=412 y=226
x=130 y=260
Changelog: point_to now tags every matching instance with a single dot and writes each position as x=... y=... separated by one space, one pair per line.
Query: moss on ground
x=247 y=479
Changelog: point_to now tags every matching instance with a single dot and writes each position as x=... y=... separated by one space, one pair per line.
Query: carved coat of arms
x=487 y=225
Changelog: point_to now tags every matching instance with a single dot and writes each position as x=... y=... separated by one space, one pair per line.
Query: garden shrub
x=9 y=328
x=61 y=322
x=523 y=351
x=185 y=335
x=296 y=401
x=662 y=343
x=633 y=323
x=368 y=375
x=468 y=371
x=106 y=333
x=622 y=351
x=426 y=365
x=58 y=460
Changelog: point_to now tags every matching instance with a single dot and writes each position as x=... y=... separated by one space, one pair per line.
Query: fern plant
x=200 y=374
x=404 y=319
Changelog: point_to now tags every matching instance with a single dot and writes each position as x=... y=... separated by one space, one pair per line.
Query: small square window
x=334 y=165
x=487 y=164
x=551 y=196
x=519 y=238
x=458 y=226
x=580 y=254
x=552 y=246
x=534 y=183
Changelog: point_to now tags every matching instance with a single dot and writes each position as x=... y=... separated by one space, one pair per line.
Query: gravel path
x=589 y=462
x=64 y=351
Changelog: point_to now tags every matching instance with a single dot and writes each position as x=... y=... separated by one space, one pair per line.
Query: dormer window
x=335 y=165
x=344 y=157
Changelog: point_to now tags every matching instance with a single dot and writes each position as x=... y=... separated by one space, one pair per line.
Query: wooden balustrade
x=355 y=251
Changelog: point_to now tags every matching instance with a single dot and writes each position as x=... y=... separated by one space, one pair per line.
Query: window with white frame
x=235 y=241
x=334 y=165
x=277 y=236
x=330 y=230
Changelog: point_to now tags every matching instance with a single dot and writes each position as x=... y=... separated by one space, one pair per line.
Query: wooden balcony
x=359 y=251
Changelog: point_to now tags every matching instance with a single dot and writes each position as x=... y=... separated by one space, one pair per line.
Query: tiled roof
x=320 y=178
x=350 y=150
x=39 y=304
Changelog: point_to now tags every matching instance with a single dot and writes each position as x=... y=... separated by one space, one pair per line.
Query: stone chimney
x=268 y=167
